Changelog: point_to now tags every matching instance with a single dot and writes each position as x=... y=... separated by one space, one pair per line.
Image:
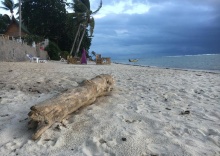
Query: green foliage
x=86 y=3
x=9 y=5
x=83 y=19
x=64 y=54
x=93 y=54
x=86 y=42
x=66 y=39
x=49 y=19
x=33 y=38
x=53 y=51
x=4 y=22
x=84 y=14
x=46 y=18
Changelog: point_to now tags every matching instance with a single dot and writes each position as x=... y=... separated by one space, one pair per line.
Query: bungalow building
x=13 y=29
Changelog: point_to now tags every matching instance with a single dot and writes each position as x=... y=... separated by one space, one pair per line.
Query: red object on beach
x=83 y=58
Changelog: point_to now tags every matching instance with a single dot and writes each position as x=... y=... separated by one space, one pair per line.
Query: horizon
x=126 y=57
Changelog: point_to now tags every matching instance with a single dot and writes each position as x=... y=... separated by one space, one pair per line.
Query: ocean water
x=198 y=62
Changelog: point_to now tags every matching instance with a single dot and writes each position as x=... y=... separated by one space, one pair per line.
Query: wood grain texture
x=46 y=113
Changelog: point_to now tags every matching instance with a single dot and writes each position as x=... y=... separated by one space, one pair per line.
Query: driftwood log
x=44 y=114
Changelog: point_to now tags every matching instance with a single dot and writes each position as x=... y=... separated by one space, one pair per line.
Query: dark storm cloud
x=170 y=27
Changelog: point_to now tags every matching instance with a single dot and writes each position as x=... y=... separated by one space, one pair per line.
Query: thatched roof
x=13 y=27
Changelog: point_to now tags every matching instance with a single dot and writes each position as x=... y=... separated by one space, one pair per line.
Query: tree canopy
x=45 y=18
x=5 y=19
x=9 y=5
x=83 y=18
x=4 y=22
x=50 y=19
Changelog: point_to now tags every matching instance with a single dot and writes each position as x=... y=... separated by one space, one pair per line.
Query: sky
x=143 y=28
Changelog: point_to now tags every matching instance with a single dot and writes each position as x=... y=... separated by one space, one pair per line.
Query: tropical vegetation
x=4 y=22
x=5 y=19
x=84 y=19
x=50 y=19
x=9 y=5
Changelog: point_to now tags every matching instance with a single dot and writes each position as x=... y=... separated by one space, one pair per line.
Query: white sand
x=145 y=108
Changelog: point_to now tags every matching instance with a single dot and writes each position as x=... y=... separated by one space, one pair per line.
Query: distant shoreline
x=206 y=62
x=181 y=69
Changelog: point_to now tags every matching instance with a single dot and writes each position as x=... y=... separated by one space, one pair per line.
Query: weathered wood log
x=44 y=114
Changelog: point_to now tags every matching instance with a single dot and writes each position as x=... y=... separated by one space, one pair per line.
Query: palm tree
x=84 y=15
x=9 y=5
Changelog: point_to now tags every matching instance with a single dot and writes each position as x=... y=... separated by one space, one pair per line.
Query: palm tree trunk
x=75 y=40
x=19 y=20
x=80 y=41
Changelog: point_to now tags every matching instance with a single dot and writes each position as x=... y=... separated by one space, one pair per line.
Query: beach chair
x=35 y=59
x=73 y=60
x=102 y=60
x=62 y=59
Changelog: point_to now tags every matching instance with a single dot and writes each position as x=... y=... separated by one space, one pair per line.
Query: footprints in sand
x=130 y=121
x=185 y=112
x=39 y=82
x=199 y=91
x=99 y=146
x=2 y=85
x=171 y=98
x=153 y=114
x=11 y=147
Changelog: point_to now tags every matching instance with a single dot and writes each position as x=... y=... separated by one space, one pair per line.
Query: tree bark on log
x=46 y=113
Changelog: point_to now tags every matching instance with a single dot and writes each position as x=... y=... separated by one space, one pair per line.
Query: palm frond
x=86 y=3
x=80 y=5
x=69 y=5
x=8 y=5
x=92 y=25
x=4 y=8
x=100 y=5
x=16 y=5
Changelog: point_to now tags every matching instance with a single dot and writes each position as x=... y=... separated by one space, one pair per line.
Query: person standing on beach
x=83 y=58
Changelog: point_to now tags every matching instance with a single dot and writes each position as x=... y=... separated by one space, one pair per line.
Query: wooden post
x=57 y=108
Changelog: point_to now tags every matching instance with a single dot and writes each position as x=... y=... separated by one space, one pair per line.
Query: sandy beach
x=151 y=112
